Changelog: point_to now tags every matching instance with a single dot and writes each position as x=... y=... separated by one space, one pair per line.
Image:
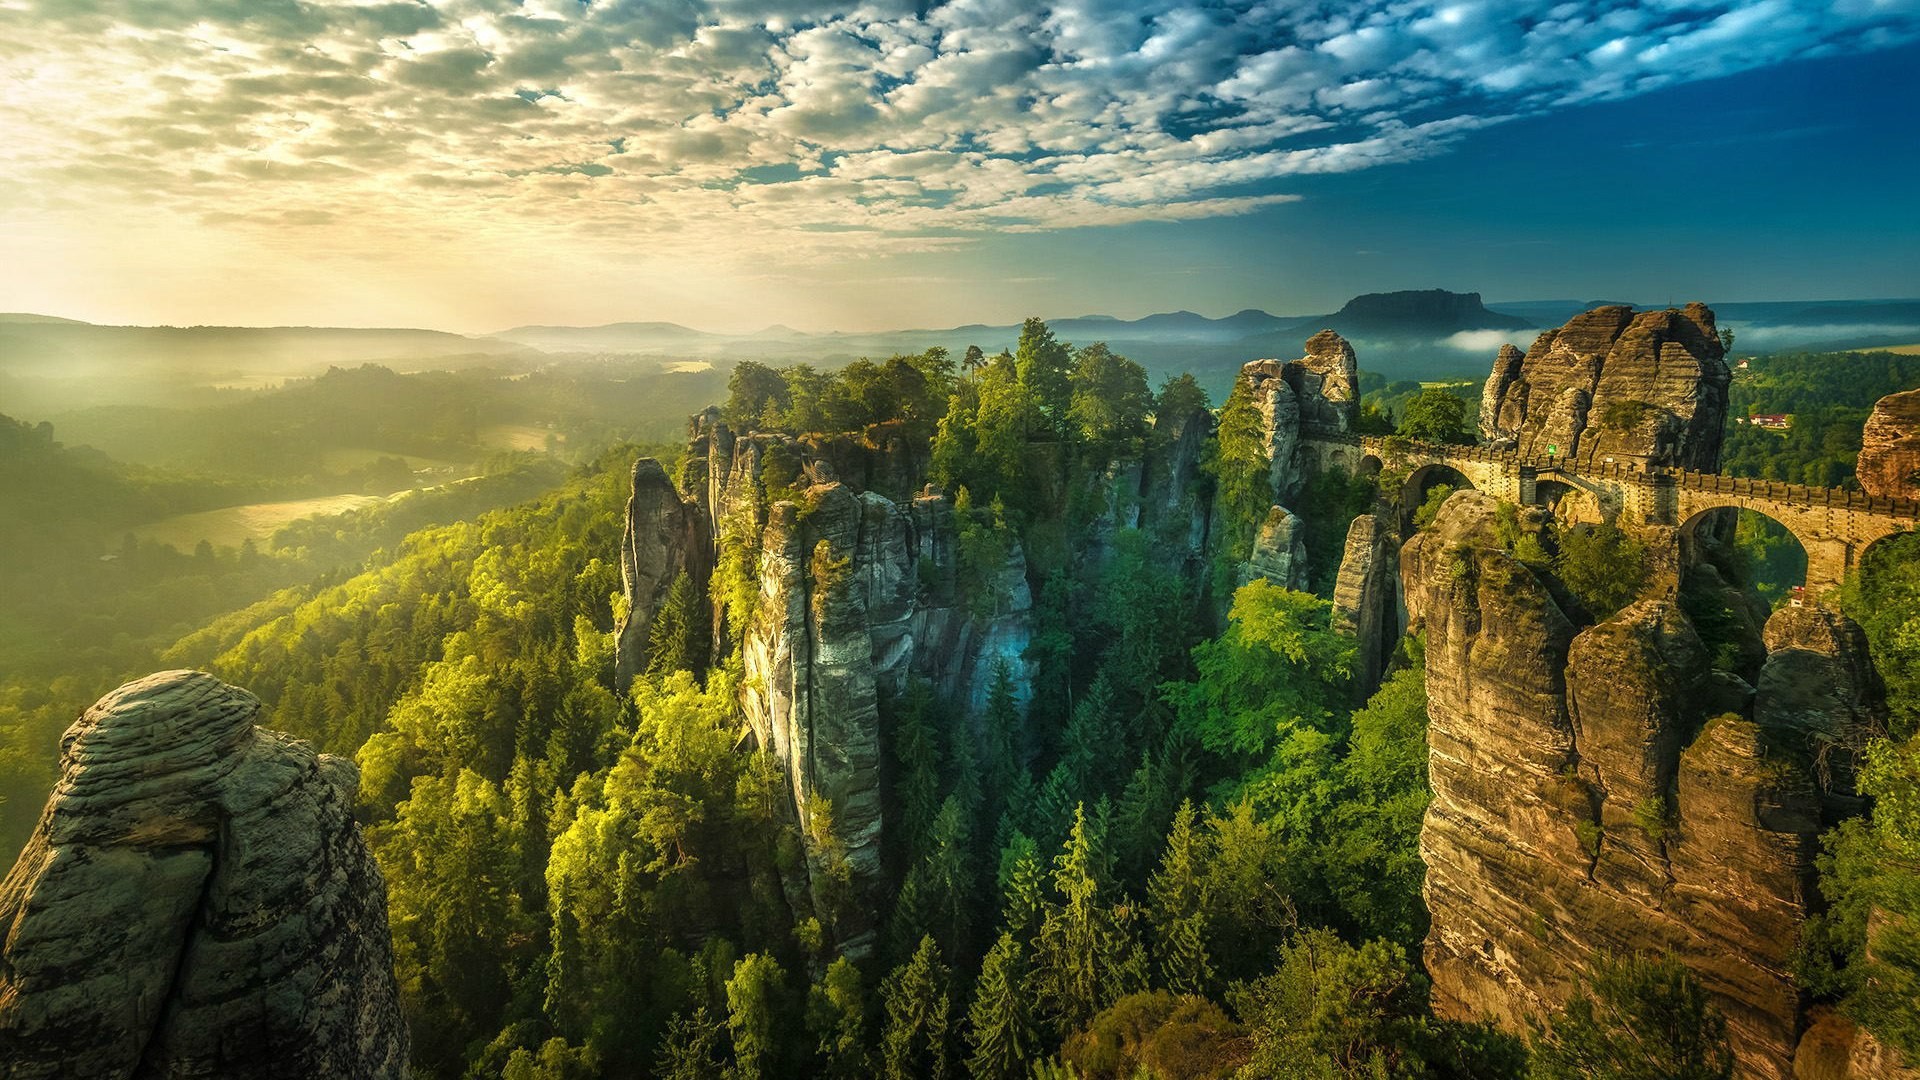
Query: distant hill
x=42 y=346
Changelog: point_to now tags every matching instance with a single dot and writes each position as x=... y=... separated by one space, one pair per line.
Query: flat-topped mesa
x=196 y=901
x=1614 y=384
x=1889 y=463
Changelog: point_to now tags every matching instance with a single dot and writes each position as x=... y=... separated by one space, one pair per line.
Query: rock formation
x=1611 y=383
x=196 y=902
x=1889 y=463
x=857 y=593
x=1365 y=598
x=1589 y=799
x=1321 y=389
x=665 y=536
x=1279 y=551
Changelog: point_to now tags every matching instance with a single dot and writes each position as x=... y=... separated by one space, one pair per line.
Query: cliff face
x=196 y=901
x=1593 y=795
x=1889 y=463
x=1650 y=386
x=857 y=593
x=665 y=536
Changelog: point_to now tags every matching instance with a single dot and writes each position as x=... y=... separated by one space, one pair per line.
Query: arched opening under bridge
x=1736 y=566
x=1423 y=492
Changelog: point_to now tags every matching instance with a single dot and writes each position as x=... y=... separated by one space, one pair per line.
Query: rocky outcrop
x=1321 y=389
x=1327 y=382
x=1365 y=599
x=1587 y=801
x=665 y=536
x=1889 y=462
x=1611 y=383
x=1819 y=698
x=195 y=902
x=1279 y=551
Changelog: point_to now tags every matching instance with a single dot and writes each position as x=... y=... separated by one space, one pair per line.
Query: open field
x=342 y=458
x=515 y=436
x=231 y=526
x=1903 y=350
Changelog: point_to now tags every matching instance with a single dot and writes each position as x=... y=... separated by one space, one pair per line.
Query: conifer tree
x=1087 y=958
x=1006 y=759
x=916 y=747
x=691 y=1045
x=753 y=1015
x=676 y=640
x=914 y=1044
x=1177 y=908
x=1021 y=887
x=836 y=1015
x=999 y=1033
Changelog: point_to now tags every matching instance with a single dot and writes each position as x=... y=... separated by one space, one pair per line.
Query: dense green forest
x=1190 y=853
x=1828 y=397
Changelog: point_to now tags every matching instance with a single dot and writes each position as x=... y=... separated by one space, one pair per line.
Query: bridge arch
x=1750 y=544
x=1420 y=483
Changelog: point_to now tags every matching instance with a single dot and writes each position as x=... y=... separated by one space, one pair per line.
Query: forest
x=1192 y=851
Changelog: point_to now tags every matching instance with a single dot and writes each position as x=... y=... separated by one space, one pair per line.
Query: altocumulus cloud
x=807 y=129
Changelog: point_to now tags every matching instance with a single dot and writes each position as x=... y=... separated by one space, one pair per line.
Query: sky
x=730 y=164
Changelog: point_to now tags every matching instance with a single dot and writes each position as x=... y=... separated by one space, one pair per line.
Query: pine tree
x=676 y=640
x=1177 y=905
x=916 y=748
x=998 y=1031
x=1021 y=885
x=1006 y=757
x=914 y=1044
x=836 y=1014
x=690 y=1047
x=753 y=1015
x=1087 y=958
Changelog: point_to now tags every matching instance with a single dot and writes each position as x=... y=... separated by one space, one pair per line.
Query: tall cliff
x=1613 y=382
x=196 y=902
x=1602 y=791
x=665 y=536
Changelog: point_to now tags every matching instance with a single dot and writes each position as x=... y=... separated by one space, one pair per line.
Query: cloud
x=1484 y=341
x=802 y=131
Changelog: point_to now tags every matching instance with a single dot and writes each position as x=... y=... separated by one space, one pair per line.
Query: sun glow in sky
x=734 y=163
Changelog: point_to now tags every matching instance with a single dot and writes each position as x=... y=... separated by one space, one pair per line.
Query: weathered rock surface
x=1586 y=804
x=665 y=536
x=1365 y=598
x=1279 y=551
x=1327 y=382
x=1889 y=462
x=1321 y=389
x=1650 y=386
x=196 y=902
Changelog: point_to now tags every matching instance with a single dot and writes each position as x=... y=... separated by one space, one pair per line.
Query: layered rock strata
x=1889 y=462
x=1612 y=383
x=1593 y=798
x=196 y=902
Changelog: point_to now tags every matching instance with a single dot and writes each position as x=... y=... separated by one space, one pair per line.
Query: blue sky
x=734 y=163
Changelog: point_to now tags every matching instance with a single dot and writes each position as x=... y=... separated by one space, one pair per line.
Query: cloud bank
x=639 y=129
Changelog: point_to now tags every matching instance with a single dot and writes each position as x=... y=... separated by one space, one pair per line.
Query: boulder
x=196 y=901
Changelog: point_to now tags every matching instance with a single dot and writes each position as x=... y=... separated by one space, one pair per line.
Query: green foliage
x=1332 y=1010
x=1109 y=400
x=1624 y=414
x=1240 y=462
x=1829 y=396
x=914 y=1044
x=1435 y=416
x=754 y=1016
x=1043 y=366
x=1429 y=508
x=836 y=1014
x=1180 y=396
x=1000 y=1035
x=1086 y=955
x=1604 y=566
x=1278 y=672
x=1158 y=1034
x=1177 y=909
x=1635 y=1018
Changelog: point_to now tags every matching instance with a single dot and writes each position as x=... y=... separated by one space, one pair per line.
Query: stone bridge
x=1834 y=527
